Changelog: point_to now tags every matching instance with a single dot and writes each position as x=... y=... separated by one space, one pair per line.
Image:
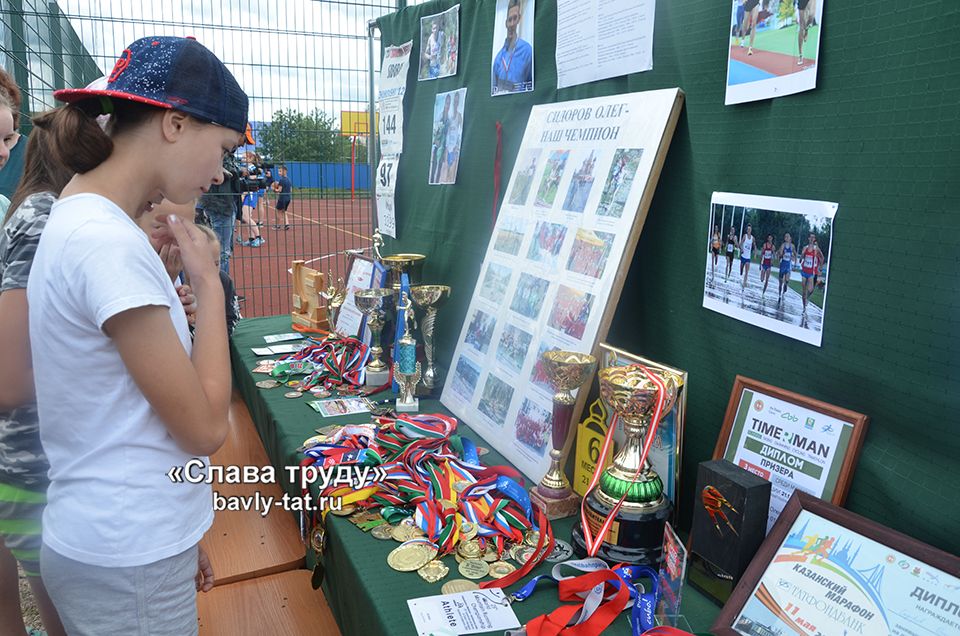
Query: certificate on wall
x=556 y=261
x=792 y=441
x=825 y=570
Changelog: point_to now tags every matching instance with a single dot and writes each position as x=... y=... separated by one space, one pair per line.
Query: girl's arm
x=191 y=394
x=16 y=367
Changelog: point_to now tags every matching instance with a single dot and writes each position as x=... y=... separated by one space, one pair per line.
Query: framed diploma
x=362 y=273
x=795 y=442
x=825 y=570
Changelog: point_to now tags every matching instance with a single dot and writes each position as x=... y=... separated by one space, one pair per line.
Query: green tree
x=785 y=12
x=295 y=136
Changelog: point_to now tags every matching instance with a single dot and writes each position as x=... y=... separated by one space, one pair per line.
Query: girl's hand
x=189 y=302
x=194 y=251
x=170 y=255
x=204 y=578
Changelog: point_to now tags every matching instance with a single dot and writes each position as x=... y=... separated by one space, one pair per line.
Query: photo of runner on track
x=797 y=297
x=774 y=45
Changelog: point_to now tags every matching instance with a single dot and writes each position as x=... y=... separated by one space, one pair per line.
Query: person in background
x=250 y=172
x=284 y=189
x=23 y=464
x=219 y=205
x=135 y=396
x=9 y=124
x=232 y=306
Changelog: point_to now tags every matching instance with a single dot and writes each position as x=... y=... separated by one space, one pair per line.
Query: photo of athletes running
x=774 y=45
x=768 y=267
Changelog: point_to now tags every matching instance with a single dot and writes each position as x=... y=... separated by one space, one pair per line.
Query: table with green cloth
x=365 y=595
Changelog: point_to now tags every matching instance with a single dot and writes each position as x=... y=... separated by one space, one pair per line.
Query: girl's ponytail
x=83 y=144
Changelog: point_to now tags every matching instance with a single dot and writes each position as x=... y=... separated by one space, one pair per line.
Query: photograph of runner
x=525 y=176
x=731 y=247
x=798 y=308
x=773 y=48
x=495 y=401
x=465 y=377
x=534 y=425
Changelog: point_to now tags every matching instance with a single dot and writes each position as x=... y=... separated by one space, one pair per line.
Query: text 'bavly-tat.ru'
x=356 y=477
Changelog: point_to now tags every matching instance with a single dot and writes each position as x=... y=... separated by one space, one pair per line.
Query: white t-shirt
x=110 y=502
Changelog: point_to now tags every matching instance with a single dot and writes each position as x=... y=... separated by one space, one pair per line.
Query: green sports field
x=784 y=41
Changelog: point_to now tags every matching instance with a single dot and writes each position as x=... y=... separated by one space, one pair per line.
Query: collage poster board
x=556 y=261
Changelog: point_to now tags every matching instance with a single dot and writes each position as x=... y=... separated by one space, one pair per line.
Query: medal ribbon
x=599 y=607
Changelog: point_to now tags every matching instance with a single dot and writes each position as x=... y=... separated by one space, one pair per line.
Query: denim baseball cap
x=175 y=73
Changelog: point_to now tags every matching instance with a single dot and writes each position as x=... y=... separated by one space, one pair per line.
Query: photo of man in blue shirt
x=513 y=64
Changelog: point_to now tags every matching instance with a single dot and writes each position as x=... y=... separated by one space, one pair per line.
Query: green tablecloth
x=366 y=596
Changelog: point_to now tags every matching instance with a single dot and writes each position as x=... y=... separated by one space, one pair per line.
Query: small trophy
x=334 y=295
x=636 y=535
x=370 y=304
x=406 y=369
x=430 y=298
x=567 y=371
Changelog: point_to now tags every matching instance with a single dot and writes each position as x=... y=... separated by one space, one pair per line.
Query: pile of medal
x=332 y=364
x=475 y=560
x=437 y=500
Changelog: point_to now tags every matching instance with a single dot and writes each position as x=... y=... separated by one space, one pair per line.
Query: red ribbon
x=574 y=589
x=497 y=161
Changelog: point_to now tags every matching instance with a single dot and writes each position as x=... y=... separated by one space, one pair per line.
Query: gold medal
x=470 y=549
x=531 y=538
x=384 y=532
x=407 y=558
x=344 y=510
x=468 y=530
x=318 y=538
x=458 y=585
x=490 y=554
x=460 y=486
x=433 y=571
x=403 y=532
x=268 y=384
x=500 y=569
x=474 y=568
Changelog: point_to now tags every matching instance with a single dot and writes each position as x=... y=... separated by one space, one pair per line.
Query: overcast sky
x=288 y=54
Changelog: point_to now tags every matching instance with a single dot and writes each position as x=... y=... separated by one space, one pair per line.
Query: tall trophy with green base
x=636 y=532
x=567 y=371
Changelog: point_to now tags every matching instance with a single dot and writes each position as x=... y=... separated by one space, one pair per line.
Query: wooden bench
x=244 y=544
x=281 y=603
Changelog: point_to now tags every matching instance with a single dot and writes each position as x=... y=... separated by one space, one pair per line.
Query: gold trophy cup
x=430 y=298
x=636 y=535
x=370 y=303
x=567 y=371
x=399 y=264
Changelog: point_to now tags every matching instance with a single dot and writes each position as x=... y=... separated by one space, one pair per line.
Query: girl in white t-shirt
x=123 y=394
